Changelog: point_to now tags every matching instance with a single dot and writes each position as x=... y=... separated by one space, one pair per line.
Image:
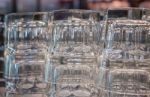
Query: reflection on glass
x=76 y=45
x=125 y=69
x=26 y=39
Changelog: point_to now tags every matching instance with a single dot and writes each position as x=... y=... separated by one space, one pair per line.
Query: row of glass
x=78 y=53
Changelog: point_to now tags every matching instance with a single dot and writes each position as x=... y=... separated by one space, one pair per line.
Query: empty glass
x=125 y=65
x=76 y=44
x=26 y=42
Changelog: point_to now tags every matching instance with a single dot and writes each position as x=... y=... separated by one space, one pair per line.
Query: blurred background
x=8 y=6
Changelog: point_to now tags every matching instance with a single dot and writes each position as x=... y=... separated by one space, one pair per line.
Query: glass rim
x=127 y=13
x=80 y=13
x=128 y=8
x=25 y=16
x=25 y=13
x=77 y=10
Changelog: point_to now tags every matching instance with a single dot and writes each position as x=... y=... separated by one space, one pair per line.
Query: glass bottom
x=73 y=90
x=25 y=95
x=107 y=93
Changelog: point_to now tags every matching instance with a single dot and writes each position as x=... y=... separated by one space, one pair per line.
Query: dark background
x=8 y=6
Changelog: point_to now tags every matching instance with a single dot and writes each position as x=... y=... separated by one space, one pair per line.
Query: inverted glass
x=76 y=44
x=26 y=42
x=124 y=68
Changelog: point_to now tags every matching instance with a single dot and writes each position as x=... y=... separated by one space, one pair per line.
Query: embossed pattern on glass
x=26 y=45
x=125 y=69
x=76 y=46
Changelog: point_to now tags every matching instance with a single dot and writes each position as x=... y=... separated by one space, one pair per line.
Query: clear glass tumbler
x=125 y=65
x=26 y=42
x=76 y=45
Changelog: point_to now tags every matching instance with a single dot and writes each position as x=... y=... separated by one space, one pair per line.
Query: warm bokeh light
x=8 y=6
x=119 y=4
x=145 y=4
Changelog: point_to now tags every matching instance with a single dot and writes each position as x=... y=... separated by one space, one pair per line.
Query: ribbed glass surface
x=76 y=46
x=125 y=68
x=25 y=49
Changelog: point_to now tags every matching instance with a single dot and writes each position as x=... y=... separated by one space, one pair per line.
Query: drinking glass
x=76 y=44
x=26 y=42
x=125 y=65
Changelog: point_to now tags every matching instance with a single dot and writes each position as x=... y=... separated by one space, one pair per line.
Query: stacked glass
x=125 y=63
x=76 y=44
x=26 y=43
x=78 y=53
x=70 y=38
